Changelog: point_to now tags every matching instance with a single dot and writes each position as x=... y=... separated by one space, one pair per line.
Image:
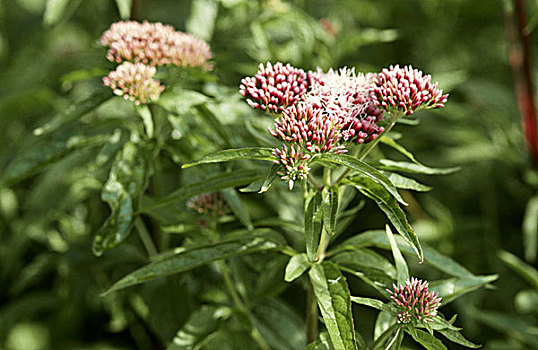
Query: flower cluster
x=140 y=48
x=211 y=204
x=319 y=112
x=274 y=87
x=134 y=82
x=414 y=301
x=406 y=90
x=154 y=44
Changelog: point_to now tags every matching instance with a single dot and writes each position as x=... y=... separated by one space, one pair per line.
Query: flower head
x=294 y=163
x=134 y=81
x=274 y=87
x=345 y=97
x=154 y=44
x=415 y=301
x=211 y=204
x=406 y=90
x=306 y=126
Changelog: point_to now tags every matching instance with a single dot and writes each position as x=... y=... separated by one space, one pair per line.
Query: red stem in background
x=519 y=57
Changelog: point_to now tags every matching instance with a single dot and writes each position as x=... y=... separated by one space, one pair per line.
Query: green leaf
x=312 y=224
x=401 y=265
x=36 y=158
x=127 y=181
x=406 y=183
x=179 y=101
x=392 y=143
x=297 y=265
x=200 y=324
x=526 y=271
x=361 y=258
x=530 y=229
x=426 y=339
x=202 y=18
x=75 y=112
x=322 y=342
x=144 y=113
x=384 y=321
x=376 y=304
x=454 y=288
x=279 y=325
x=169 y=263
x=364 y=170
x=124 y=8
x=214 y=183
x=413 y=168
x=227 y=155
x=329 y=205
x=515 y=325
x=334 y=300
x=390 y=207
x=271 y=176
x=235 y=204
x=456 y=337
x=214 y=122
x=55 y=11
x=378 y=238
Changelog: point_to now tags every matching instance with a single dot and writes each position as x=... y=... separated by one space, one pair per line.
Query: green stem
x=311 y=316
x=223 y=267
x=145 y=237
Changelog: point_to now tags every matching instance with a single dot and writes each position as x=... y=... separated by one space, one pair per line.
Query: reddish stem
x=519 y=57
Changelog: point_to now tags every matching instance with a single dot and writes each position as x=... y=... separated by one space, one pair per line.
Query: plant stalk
x=311 y=316
x=145 y=237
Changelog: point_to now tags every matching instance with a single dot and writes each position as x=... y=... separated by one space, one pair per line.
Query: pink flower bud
x=274 y=87
x=415 y=301
x=406 y=90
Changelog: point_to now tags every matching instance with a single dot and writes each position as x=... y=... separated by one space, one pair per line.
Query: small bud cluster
x=274 y=87
x=140 y=48
x=154 y=44
x=134 y=82
x=211 y=204
x=415 y=301
x=319 y=112
x=294 y=163
x=406 y=90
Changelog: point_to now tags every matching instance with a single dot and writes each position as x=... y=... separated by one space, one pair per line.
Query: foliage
x=96 y=226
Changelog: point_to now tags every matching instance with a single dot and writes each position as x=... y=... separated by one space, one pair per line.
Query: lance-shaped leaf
x=401 y=265
x=334 y=300
x=360 y=259
x=530 y=229
x=376 y=304
x=406 y=183
x=200 y=324
x=365 y=170
x=75 y=112
x=296 y=266
x=36 y=158
x=122 y=191
x=214 y=183
x=188 y=259
x=259 y=153
x=329 y=205
x=453 y=288
x=527 y=272
x=378 y=238
x=312 y=224
x=426 y=339
x=390 y=207
x=456 y=337
x=235 y=204
x=392 y=143
x=413 y=168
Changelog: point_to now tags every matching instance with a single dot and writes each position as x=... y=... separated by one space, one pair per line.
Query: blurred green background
x=50 y=281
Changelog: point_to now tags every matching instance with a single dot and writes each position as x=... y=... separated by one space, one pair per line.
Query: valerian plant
x=172 y=166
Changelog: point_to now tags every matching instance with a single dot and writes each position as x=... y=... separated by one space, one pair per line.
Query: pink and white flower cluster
x=134 y=81
x=141 y=47
x=414 y=301
x=319 y=112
